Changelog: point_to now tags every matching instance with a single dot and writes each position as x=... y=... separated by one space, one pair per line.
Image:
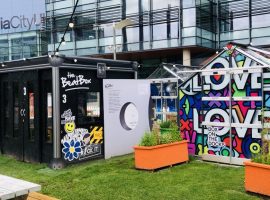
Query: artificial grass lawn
x=117 y=179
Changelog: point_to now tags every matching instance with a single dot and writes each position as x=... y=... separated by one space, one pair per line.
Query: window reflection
x=85 y=34
x=4 y=50
x=145 y=5
x=189 y=17
x=31 y=104
x=132 y=35
x=24 y=47
x=49 y=129
x=240 y=23
x=160 y=4
x=188 y=3
x=259 y=21
x=89 y=104
x=132 y=6
x=146 y=33
x=160 y=32
x=174 y=30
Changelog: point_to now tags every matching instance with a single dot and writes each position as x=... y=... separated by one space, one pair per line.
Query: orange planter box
x=257 y=178
x=155 y=157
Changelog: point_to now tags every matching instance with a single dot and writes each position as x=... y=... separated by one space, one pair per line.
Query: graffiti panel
x=81 y=120
x=204 y=108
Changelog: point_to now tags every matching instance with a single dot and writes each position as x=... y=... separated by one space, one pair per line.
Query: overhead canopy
x=169 y=70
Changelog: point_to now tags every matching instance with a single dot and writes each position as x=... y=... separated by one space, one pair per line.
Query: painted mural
x=204 y=115
x=81 y=125
x=80 y=143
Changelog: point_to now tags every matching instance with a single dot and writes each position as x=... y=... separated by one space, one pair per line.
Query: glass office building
x=22 y=29
x=173 y=31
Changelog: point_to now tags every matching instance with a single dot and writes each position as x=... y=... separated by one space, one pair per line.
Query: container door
x=19 y=116
x=46 y=116
x=29 y=112
x=10 y=121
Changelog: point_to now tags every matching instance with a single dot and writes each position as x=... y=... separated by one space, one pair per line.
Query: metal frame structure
x=229 y=72
x=162 y=97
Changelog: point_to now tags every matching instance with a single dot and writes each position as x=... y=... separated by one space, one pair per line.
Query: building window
x=49 y=124
x=89 y=104
x=161 y=4
x=189 y=17
x=132 y=7
x=31 y=104
x=160 y=32
x=132 y=35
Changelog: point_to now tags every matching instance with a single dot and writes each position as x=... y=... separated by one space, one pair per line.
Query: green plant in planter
x=155 y=138
x=149 y=139
x=167 y=126
x=264 y=156
x=158 y=150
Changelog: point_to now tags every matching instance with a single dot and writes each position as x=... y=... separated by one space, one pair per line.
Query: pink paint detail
x=191 y=125
x=243 y=108
x=191 y=137
x=234 y=143
x=194 y=135
x=241 y=155
x=254 y=94
x=253 y=104
x=211 y=152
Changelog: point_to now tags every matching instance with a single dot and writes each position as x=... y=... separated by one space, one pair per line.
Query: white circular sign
x=129 y=116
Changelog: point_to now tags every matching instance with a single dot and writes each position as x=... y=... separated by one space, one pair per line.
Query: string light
x=63 y=41
x=69 y=25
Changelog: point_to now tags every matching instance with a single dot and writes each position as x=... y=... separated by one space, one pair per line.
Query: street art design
x=79 y=143
x=74 y=82
x=194 y=109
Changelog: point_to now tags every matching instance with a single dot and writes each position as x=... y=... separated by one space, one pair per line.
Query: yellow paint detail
x=240 y=64
x=181 y=94
x=96 y=135
x=255 y=148
x=71 y=149
x=200 y=150
x=70 y=127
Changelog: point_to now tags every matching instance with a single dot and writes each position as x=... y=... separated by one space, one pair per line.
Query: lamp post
x=119 y=25
x=114 y=41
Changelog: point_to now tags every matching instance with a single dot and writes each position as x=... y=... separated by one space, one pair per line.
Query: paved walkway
x=12 y=187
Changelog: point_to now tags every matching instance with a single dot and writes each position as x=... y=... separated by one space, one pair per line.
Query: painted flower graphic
x=71 y=150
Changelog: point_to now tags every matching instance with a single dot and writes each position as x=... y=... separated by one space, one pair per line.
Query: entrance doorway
x=19 y=119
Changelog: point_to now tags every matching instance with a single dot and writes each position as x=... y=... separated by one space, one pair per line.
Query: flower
x=71 y=150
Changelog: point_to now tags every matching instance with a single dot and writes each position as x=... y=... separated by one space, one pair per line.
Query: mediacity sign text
x=22 y=22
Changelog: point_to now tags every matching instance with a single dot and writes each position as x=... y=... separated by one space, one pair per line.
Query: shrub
x=155 y=138
x=149 y=139
x=264 y=156
x=165 y=124
x=168 y=124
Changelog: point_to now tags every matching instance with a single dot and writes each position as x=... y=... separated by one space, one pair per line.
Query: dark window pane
x=6 y=108
x=88 y=104
x=31 y=104
x=49 y=128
